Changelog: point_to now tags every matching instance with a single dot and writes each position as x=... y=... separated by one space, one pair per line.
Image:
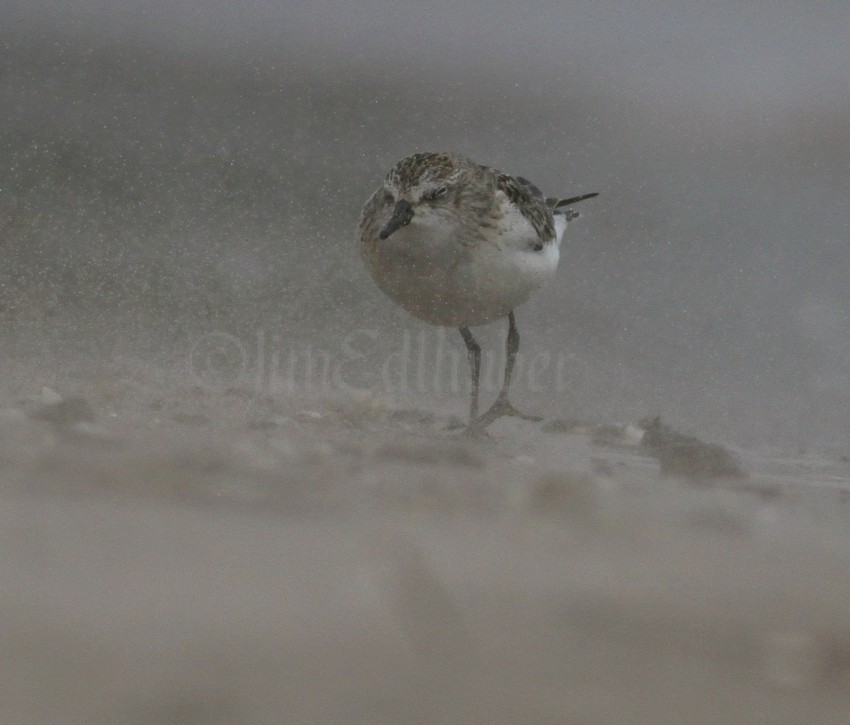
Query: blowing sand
x=199 y=556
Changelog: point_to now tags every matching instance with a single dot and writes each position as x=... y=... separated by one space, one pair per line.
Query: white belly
x=456 y=284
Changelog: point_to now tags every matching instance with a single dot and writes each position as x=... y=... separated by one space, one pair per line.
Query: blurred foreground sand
x=201 y=557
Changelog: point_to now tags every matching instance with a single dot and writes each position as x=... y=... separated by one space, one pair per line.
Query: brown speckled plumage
x=530 y=202
x=481 y=183
x=456 y=243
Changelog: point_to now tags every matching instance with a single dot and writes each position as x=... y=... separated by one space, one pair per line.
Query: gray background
x=170 y=169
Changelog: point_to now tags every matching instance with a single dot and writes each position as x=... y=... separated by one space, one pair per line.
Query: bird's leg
x=511 y=348
x=502 y=406
x=473 y=350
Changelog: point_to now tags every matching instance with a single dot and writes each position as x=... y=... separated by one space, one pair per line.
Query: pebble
x=50 y=396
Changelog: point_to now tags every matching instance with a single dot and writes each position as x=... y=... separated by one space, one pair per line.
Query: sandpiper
x=459 y=244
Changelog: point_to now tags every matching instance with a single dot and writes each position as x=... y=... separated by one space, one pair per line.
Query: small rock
x=632 y=434
x=687 y=456
x=698 y=461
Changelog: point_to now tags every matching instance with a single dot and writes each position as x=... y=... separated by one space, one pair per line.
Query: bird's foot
x=502 y=408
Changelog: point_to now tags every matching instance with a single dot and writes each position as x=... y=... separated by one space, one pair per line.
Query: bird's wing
x=528 y=200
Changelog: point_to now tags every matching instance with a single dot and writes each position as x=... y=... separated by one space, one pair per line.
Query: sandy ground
x=199 y=556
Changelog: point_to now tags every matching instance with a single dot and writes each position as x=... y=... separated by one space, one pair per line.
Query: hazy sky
x=728 y=53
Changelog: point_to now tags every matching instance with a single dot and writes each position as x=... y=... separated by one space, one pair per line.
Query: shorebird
x=459 y=244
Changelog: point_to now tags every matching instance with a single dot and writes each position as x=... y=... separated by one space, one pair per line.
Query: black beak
x=402 y=214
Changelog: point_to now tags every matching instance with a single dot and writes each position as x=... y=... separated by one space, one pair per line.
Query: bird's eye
x=436 y=193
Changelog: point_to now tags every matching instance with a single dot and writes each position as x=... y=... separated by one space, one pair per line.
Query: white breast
x=506 y=277
x=447 y=280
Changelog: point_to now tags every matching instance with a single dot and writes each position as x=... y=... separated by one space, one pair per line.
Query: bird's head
x=427 y=189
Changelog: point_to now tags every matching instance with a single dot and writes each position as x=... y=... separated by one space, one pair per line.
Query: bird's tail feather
x=558 y=203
